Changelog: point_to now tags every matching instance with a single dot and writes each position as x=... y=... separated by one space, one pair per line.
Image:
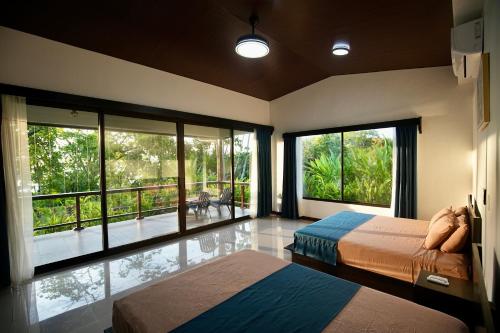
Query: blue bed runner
x=319 y=240
x=292 y=299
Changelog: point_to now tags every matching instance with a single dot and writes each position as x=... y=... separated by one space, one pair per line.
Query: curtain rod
x=393 y=123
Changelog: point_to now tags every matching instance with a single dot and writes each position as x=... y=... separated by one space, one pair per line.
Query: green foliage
x=367 y=167
x=65 y=160
x=322 y=178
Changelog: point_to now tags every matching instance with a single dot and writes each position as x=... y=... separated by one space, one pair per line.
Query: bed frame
x=475 y=222
x=381 y=282
x=484 y=308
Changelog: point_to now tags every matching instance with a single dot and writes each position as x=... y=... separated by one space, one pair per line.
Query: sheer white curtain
x=24 y=309
x=254 y=175
x=17 y=187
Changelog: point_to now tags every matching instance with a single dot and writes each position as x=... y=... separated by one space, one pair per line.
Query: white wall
x=444 y=148
x=35 y=62
x=487 y=146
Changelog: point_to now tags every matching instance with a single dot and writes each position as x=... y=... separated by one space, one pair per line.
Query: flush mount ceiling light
x=340 y=48
x=252 y=45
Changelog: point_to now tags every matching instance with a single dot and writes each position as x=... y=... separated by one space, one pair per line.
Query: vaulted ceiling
x=196 y=39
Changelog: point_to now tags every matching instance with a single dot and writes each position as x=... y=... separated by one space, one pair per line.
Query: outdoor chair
x=224 y=200
x=200 y=205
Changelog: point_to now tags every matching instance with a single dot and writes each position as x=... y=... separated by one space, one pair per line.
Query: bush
x=367 y=167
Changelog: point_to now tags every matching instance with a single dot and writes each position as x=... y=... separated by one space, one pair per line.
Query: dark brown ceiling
x=196 y=38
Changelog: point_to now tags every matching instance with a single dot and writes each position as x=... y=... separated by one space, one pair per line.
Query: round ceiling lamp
x=252 y=45
x=340 y=48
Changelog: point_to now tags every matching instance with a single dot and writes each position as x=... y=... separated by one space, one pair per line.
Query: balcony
x=134 y=219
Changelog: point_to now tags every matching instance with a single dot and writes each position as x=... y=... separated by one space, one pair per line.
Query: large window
x=207 y=163
x=242 y=169
x=354 y=167
x=64 y=162
x=141 y=179
x=102 y=181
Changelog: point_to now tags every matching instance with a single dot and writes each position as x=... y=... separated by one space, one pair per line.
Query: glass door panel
x=64 y=163
x=208 y=165
x=141 y=179
x=242 y=172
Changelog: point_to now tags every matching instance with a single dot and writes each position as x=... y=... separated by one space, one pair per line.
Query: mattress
x=170 y=303
x=394 y=247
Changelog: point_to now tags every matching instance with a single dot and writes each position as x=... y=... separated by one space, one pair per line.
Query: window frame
x=103 y=107
x=352 y=128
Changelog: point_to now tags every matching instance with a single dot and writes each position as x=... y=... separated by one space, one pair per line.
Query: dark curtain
x=289 y=205
x=406 y=172
x=4 y=245
x=264 y=197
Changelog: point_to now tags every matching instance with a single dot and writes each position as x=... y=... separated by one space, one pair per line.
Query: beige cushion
x=462 y=219
x=457 y=239
x=438 y=215
x=439 y=231
x=461 y=211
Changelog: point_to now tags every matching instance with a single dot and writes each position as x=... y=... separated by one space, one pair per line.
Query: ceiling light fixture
x=252 y=45
x=340 y=48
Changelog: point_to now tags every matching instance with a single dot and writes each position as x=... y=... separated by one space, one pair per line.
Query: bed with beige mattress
x=177 y=301
x=393 y=247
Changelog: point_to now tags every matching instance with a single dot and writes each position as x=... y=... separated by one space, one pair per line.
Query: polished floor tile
x=68 y=244
x=80 y=299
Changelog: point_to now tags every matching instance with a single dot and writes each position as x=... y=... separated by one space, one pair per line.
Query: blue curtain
x=289 y=205
x=406 y=172
x=264 y=196
x=4 y=245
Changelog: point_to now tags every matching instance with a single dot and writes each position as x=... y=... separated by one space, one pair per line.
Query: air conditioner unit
x=466 y=49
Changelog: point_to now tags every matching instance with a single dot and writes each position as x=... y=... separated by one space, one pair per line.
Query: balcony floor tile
x=67 y=244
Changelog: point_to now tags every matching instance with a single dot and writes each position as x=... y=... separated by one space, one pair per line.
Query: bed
x=382 y=252
x=394 y=247
x=192 y=299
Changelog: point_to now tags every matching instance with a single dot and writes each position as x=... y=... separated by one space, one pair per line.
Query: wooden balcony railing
x=139 y=191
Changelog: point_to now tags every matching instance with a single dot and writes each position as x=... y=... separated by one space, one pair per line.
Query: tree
x=65 y=160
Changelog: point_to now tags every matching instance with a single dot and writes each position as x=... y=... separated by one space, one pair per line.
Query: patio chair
x=203 y=203
x=224 y=200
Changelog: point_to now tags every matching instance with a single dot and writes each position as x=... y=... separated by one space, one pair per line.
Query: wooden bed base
x=366 y=278
x=381 y=282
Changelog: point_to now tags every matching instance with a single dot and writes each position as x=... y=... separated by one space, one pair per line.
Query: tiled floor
x=68 y=244
x=81 y=299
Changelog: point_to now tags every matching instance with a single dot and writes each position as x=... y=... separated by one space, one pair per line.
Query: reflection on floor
x=81 y=299
x=68 y=244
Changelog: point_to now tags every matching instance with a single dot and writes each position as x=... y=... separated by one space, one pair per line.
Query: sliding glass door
x=141 y=179
x=244 y=159
x=208 y=173
x=64 y=163
x=82 y=162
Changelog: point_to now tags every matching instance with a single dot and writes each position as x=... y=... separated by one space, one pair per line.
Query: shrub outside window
x=351 y=167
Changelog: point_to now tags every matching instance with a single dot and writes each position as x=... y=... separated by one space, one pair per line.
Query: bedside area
x=458 y=299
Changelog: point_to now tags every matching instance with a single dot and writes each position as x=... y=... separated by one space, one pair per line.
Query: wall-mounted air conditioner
x=466 y=49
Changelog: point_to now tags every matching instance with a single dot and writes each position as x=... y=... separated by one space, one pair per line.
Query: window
x=141 y=179
x=64 y=162
x=143 y=192
x=242 y=168
x=208 y=175
x=353 y=167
